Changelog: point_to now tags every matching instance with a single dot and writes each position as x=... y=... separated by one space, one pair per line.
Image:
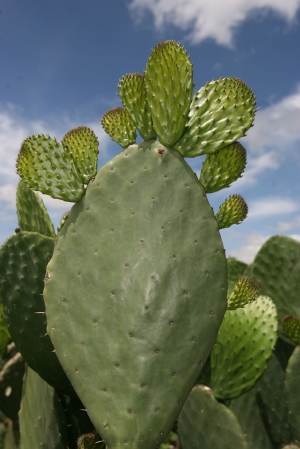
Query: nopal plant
x=135 y=280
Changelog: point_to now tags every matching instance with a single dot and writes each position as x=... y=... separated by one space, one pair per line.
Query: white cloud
x=213 y=19
x=295 y=236
x=248 y=251
x=287 y=225
x=271 y=206
x=276 y=127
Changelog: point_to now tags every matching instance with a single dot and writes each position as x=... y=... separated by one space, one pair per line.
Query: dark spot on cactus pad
x=157 y=351
x=17 y=230
x=47 y=277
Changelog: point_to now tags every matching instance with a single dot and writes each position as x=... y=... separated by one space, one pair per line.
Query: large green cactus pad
x=276 y=268
x=221 y=112
x=4 y=334
x=136 y=292
x=244 y=346
x=32 y=214
x=169 y=86
x=42 y=418
x=292 y=386
x=247 y=412
x=23 y=260
x=272 y=401
x=205 y=423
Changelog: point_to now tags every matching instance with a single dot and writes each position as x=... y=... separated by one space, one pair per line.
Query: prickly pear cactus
x=136 y=288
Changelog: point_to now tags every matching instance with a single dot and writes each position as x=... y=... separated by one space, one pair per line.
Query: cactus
x=243 y=348
x=11 y=381
x=292 y=389
x=205 y=421
x=136 y=288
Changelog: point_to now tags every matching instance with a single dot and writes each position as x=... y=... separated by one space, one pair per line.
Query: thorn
x=43 y=313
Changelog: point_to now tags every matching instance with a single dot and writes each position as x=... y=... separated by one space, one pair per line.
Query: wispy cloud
x=271 y=206
x=247 y=252
x=287 y=225
x=276 y=127
x=203 y=19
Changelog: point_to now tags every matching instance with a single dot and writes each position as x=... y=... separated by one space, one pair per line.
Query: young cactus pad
x=136 y=292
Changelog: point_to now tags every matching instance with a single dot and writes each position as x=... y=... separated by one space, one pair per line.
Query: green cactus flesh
x=292 y=386
x=205 y=423
x=32 y=214
x=42 y=418
x=4 y=333
x=169 y=86
x=247 y=412
x=272 y=401
x=136 y=292
x=23 y=260
x=291 y=327
x=236 y=269
x=119 y=125
x=82 y=144
x=11 y=384
x=45 y=165
x=221 y=112
x=276 y=268
x=244 y=345
x=133 y=95
x=223 y=167
x=233 y=211
x=245 y=291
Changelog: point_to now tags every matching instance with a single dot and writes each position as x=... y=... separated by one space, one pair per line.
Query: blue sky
x=61 y=61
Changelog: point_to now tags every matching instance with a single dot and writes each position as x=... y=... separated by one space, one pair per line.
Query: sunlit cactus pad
x=243 y=348
x=136 y=292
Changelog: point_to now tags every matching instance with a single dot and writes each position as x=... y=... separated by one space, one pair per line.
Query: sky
x=61 y=61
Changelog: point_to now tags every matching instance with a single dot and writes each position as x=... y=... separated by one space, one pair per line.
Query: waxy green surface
x=206 y=423
x=23 y=260
x=243 y=348
x=292 y=386
x=136 y=292
x=32 y=214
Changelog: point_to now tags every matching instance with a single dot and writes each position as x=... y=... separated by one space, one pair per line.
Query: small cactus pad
x=223 y=167
x=291 y=327
x=118 y=124
x=82 y=144
x=4 y=334
x=244 y=346
x=42 y=418
x=235 y=269
x=272 y=400
x=90 y=441
x=206 y=423
x=233 y=211
x=32 y=214
x=45 y=165
x=133 y=96
x=122 y=300
x=221 y=112
x=11 y=384
x=276 y=268
x=292 y=386
x=245 y=291
x=247 y=412
x=169 y=85
x=23 y=260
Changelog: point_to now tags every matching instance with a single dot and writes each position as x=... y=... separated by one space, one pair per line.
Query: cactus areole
x=136 y=292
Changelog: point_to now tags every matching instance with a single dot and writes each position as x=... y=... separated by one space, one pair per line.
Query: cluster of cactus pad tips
x=135 y=285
